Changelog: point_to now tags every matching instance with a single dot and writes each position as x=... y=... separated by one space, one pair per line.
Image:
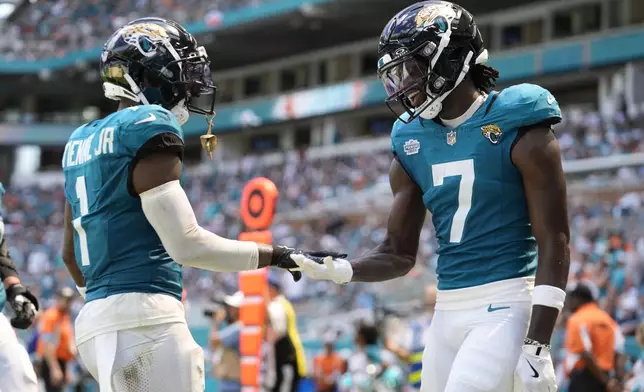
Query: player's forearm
x=168 y=210
x=10 y=281
x=554 y=263
x=537 y=156
x=68 y=254
x=381 y=264
x=7 y=267
x=74 y=271
x=206 y=250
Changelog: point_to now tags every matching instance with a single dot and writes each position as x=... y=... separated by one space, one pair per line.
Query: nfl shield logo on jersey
x=411 y=147
x=451 y=137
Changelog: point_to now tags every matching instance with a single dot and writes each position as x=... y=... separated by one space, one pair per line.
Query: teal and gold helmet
x=157 y=61
x=426 y=50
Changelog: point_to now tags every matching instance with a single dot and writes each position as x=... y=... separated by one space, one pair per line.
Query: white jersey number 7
x=464 y=169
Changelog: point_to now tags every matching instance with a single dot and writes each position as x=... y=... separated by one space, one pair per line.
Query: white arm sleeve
x=168 y=210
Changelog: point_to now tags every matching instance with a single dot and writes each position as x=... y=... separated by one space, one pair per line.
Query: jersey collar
x=455 y=122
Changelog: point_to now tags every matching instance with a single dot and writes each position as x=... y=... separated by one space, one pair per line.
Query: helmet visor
x=198 y=77
x=403 y=77
x=410 y=84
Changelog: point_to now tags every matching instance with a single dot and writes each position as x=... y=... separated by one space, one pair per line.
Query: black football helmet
x=425 y=51
x=156 y=61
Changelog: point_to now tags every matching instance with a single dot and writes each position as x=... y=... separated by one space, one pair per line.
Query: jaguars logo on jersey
x=492 y=133
x=450 y=170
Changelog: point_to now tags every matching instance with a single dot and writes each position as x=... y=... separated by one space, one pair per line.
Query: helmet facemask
x=196 y=81
x=421 y=72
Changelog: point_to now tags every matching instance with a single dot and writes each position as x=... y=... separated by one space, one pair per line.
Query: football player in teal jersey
x=487 y=166
x=128 y=223
x=16 y=371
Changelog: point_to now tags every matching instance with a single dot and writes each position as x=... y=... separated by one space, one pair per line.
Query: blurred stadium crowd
x=607 y=228
x=607 y=234
x=33 y=214
x=56 y=27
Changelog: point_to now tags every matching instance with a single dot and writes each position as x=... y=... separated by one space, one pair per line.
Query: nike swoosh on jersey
x=536 y=373
x=492 y=309
x=150 y=118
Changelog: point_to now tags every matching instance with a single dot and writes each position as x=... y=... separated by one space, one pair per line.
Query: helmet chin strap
x=181 y=112
x=135 y=89
x=432 y=109
x=116 y=93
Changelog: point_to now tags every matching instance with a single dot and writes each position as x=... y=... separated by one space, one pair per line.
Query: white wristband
x=81 y=291
x=549 y=296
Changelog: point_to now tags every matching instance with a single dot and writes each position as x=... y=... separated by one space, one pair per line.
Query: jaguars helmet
x=156 y=61
x=426 y=51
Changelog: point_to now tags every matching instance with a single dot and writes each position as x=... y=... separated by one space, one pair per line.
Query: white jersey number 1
x=81 y=193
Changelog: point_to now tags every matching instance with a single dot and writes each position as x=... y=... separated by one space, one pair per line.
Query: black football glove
x=282 y=258
x=24 y=304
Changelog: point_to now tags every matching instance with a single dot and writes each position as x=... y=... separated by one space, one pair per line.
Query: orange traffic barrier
x=257 y=210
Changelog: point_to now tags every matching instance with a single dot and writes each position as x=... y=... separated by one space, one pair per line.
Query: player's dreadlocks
x=484 y=77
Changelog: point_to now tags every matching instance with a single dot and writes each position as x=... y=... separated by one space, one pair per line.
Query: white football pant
x=474 y=345
x=16 y=371
x=155 y=358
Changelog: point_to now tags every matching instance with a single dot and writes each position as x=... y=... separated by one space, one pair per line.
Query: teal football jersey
x=473 y=190
x=116 y=248
x=3 y=295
